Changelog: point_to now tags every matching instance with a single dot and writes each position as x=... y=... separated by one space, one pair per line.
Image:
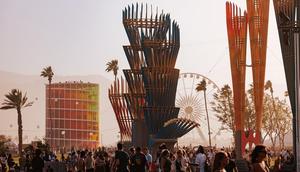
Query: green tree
x=284 y=121
x=16 y=100
x=3 y=144
x=249 y=118
x=202 y=87
x=112 y=66
x=269 y=120
x=48 y=73
x=276 y=113
x=270 y=114
x=223 y=106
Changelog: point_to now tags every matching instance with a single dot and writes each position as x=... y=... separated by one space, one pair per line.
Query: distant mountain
x=34 y=117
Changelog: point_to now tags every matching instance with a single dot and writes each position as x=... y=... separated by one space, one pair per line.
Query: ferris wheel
x=192 y=106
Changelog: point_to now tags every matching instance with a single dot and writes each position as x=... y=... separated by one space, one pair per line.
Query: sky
x=78 y=37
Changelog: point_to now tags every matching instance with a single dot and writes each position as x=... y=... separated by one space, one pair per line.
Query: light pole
x=64 y=137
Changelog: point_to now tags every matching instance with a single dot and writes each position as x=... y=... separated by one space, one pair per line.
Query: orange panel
x=258 y=13
x=237 y=39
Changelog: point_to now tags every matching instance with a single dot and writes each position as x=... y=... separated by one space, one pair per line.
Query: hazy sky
x=80 y=36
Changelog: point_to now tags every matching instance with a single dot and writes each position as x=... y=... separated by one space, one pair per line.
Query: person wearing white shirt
x=200 y=159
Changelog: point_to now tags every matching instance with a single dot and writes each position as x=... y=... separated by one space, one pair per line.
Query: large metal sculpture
x=116 y=94
x=152 y=78
x=237 y=23
x=258 y=17
x=237 y=38
x=287 y=17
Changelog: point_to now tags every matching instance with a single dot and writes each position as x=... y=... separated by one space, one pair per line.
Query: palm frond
x=47 y=73
x=201 y=86
x=112 y=66
x=7 y=107
x=28 y=104
x=15 y=99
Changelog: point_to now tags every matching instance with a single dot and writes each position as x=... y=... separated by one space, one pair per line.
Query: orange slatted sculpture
x=257 y=20
x=258 y=15
x=116 y=94
x=237 y=40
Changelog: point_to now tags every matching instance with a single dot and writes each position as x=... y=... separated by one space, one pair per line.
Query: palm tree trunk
x=20 y=131
x=49 y=113
x=208 y=125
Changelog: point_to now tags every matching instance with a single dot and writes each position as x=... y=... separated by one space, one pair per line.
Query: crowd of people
x=186 y=159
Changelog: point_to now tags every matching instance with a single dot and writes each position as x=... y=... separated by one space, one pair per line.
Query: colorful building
x=72 y=117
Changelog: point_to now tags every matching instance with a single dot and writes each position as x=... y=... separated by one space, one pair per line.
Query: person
x=180 y=162
x=131 y=154
x=27 y=166
x=161 y=147
x=89 y=163
x=3 y=160
x=139 y=161
x=210 y=155
x=200 y=159
x=10 y=162
x=258 y=155
x=220 y=162
x=164 y=161
x=231 y=166
x=173 y=162
x=63 y=159
x=81 y=162
x=148 y=158
x=121 y=159
x=37 y=162
x=100 y=163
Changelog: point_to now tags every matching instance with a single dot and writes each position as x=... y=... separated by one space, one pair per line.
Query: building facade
x=72 y=115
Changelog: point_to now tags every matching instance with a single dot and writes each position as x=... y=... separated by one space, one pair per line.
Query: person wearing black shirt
x=37 y=162
x=131 y=154
x=139 y=161
x=231 y=166
x=122 y=159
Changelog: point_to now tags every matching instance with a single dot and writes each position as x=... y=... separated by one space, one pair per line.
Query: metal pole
x=297 y=92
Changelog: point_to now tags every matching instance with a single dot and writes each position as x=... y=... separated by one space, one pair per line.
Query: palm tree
x=202 y=87
x=274 y=114
x=269 y=86
x=48 y=73
x=16 y=100
x=112 y=66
